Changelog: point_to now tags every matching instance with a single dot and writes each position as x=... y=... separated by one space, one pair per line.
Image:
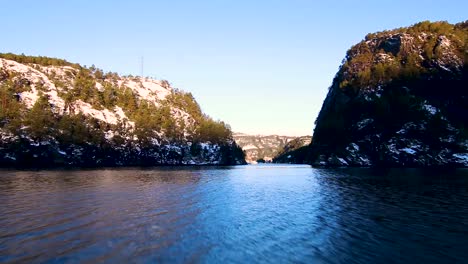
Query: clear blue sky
x=261 y=66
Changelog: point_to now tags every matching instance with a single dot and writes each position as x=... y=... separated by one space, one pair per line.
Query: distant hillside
x=56 y=113
x=295 y=151
x=261 y=147
x=399 y=99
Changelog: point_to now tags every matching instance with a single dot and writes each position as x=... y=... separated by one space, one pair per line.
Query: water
x=240 y=214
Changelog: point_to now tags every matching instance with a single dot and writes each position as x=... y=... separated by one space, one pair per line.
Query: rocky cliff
x=261 y=147
x=400 y=98
x=295 y=151
x=56 y=113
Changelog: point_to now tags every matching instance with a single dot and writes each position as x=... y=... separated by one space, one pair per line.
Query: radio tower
x=141 y=67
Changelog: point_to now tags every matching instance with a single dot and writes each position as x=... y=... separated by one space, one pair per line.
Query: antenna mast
x=141 y=67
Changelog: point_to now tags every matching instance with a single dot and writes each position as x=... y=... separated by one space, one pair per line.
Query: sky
x=263 y=67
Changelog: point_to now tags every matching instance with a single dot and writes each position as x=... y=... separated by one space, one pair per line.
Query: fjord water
x=241 y=214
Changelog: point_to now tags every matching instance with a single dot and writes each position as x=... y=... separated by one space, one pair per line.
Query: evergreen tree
x=40 y=119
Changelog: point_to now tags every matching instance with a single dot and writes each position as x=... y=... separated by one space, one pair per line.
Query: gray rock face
x=260 y=146
x=400 y=99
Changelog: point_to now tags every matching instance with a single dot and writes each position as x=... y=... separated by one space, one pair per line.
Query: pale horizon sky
x=264 y=67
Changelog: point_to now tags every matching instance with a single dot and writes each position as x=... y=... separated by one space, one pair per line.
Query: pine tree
x=40 y=119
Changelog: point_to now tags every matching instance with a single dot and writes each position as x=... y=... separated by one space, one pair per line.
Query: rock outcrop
x=400 y=98
x=296 y=151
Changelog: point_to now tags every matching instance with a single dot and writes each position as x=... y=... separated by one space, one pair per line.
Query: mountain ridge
x=51 y=107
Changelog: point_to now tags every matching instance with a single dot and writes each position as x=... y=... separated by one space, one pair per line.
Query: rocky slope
x=295 y=151
x=261 y=147
x=56 y=113
x=400 y=98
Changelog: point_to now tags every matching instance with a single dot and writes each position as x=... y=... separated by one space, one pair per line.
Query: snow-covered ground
x=36 y=78
x=151 y=90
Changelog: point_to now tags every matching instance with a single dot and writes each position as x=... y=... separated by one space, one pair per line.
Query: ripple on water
x=261 y=213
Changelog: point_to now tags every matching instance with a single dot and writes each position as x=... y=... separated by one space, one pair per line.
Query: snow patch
x=448 y=139
x=109 y=135
x=365 y=161
x=8 y=156
x=343 y=161
x=355 y=146
x=205 y=145
x=363 y=123
x=430 y=109
x=248 y=147
x=444 y=68
x=145 y=88
x=444 y=41
x=29 y=98
x=103 y=115
x=461 y=158
x=383 y=57
x=35 y=77
x=401 y=131
x=408 y=150
x=410 y=126
x=120 y=113
x=99 y=87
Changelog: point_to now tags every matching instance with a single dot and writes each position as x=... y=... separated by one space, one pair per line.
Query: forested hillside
x=295 y=151
x=400 y=98
x=53 y=112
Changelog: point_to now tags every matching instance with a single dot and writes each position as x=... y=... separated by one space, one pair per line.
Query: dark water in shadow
x=238 y=214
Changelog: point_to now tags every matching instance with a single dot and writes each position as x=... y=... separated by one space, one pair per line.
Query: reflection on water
x=242 y=214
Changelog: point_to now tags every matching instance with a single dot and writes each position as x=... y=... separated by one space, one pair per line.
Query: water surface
x=242 y=214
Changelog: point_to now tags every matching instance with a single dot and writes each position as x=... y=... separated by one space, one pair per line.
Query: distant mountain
x=261 y=147
x=295 y=151
x=400 y=98
x=56 y=113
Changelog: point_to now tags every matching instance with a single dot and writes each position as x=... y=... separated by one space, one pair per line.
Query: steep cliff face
x=53 y=112
x=261 y=147
x=295 y=151
x=399 y=99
